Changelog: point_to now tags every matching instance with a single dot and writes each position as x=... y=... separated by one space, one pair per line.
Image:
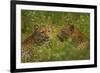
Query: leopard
x=72 y=32
x=40 y=34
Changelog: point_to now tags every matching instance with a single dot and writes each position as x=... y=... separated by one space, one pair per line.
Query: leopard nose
x=47 y=37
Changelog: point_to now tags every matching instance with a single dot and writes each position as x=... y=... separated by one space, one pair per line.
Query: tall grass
x=55 y=50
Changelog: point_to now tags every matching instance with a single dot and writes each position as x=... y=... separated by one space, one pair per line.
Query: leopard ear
x=35 y=27
x=50 y=26
x=71 y=28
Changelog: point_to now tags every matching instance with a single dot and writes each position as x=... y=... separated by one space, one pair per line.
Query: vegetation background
x=55 y=50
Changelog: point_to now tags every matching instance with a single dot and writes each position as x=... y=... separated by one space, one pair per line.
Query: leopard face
x=42 y=33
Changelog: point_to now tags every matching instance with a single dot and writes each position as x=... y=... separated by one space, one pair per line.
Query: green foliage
x=55 y=50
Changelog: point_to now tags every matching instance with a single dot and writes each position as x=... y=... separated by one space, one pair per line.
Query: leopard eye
x=48 y=30
x=62 y=30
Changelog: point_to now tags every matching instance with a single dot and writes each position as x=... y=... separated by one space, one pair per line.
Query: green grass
x=55 y=50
